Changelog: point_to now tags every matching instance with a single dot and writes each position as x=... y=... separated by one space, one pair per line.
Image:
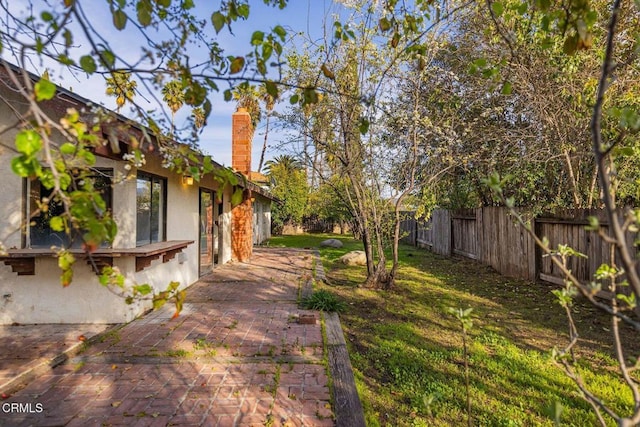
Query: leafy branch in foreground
x=618 y=304
x=179 y=54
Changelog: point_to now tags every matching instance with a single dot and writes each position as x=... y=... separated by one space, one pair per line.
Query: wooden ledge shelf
x=22 y=261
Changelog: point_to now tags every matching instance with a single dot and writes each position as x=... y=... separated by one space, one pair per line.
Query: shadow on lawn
x=405 y=348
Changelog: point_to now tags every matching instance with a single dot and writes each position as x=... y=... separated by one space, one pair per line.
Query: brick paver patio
x=236 y=356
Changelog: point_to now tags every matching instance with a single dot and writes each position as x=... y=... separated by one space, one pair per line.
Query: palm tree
x=199 y=119
x=173 y=95
x=122 y=87
x=247 y=96
x=283 y=161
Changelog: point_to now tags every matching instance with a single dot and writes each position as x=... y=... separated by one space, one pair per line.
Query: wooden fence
x=491 y=236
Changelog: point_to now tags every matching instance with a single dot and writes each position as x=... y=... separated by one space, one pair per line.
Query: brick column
x=242 y=214
x=241 y=142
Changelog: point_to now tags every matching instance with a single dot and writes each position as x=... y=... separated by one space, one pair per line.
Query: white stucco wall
x=224 y=252
x=41 y=299
x=11 y=205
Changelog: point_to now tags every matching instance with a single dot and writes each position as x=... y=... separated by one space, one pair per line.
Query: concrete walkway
x=240 y=354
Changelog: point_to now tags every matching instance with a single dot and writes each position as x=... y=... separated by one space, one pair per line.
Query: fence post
x=480 y=236
x=537 y=262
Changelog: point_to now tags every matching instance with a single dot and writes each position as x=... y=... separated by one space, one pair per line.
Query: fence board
x=492 y=237
x=464 y=234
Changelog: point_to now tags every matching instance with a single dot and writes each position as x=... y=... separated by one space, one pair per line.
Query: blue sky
x=300 y=16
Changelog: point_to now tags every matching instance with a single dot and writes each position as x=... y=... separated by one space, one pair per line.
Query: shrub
x=324 y=301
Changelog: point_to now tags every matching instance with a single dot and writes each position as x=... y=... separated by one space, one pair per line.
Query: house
x=170 y=226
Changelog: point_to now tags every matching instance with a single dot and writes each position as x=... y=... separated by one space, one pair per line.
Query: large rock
x=354 y=258
x=331 y=243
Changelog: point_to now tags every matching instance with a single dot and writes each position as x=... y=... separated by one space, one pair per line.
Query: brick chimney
x=241 y=142
x=242 y=214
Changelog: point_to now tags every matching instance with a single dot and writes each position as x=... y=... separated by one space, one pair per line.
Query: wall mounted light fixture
x=187 y=180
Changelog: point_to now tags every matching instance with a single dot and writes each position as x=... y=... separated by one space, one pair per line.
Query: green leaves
x=119 y=19
x=323 y=300
x=172 y=291
x=257 y=38
x=363 y=127
x=594 y=224
x=237 y=196
x=628 y=118
x=65 y=263
x=463 y=316
x=496 y=183
x=28 y=142
x=384 y=24
x=111 y=277
x=629 y=300
x=107 y=58
x=497 y=8
x=195 y=94
x=44 y=90
x=309 y=96
x=606 y=272
x=507 y=88
x=46 y=16
x=144 y=289
x=565 y=296
x=57 y=223
x=568 y=251
x=218 y=20
x=88 y=64
x=237 y=64
x=144 y=10
x=272 y=89
x=280 y=32
x=570 y=44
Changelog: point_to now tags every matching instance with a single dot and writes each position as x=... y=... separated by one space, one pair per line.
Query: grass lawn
x=407 y=356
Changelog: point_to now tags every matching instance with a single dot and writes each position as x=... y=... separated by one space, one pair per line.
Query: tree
x=348 y=125
x=596 y=82
x=247 y=96
x=289 y=184
x=269 y=104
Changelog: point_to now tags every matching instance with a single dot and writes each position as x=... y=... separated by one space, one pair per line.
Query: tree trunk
x=577 y=199
x=264 y=144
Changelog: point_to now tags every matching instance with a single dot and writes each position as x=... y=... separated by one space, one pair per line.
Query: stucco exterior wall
x=41 y=299
x=225 y=224
x=11 y=203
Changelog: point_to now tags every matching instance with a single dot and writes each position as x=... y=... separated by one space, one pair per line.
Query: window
x=40 y=233
x=151 y=202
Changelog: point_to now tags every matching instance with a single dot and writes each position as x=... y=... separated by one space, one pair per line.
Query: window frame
x=73 y=241
x=162 y=221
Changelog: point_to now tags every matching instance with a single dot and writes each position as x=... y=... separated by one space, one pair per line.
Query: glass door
x=206 y=231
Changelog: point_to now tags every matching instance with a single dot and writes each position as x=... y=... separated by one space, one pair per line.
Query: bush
x=324 y=301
